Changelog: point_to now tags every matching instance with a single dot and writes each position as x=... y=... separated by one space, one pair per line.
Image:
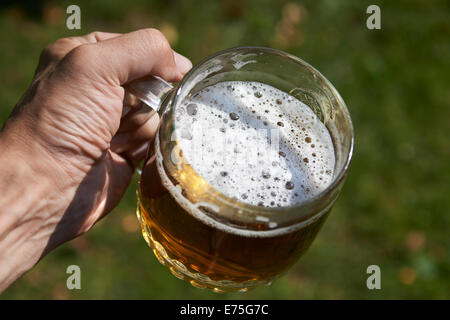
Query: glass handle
x=150 y=90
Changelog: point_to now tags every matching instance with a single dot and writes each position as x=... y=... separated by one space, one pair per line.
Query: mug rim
x=307 y=204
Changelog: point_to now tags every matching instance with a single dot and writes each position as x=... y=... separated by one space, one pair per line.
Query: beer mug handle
x=151 y=90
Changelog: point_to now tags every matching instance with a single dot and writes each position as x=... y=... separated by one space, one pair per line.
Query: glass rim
x=301 y=207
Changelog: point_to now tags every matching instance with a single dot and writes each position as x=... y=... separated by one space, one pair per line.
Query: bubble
x=266 y=174
x=191 y=109
x=282 y=154
x=278 y=101
x=280 y=124
x=224 y=173
x=289 y=185
x=258 y=94
x=305 y=160
x=234 y=116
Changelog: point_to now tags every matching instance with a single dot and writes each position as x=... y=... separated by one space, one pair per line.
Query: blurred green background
x=394 y=208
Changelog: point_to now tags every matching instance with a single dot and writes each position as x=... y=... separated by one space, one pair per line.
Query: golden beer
x=209 y=256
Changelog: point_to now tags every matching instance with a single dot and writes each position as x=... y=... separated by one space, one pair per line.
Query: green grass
x=394 y=208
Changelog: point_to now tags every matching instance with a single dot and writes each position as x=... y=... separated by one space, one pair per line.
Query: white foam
x=229 y=141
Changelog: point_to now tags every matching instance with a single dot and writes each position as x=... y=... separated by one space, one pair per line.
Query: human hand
x=67 y=152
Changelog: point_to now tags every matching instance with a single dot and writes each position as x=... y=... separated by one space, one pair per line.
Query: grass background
x=394 y=208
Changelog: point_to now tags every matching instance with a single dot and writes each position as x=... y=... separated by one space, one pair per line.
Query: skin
x=69 y=146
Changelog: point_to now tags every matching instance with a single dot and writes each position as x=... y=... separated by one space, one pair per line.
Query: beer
x=249 y=145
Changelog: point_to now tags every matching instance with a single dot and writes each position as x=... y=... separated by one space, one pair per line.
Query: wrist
x=27 y=198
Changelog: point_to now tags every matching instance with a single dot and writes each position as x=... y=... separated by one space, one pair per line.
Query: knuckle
x=94 y=35
x=49 y=52
x=62 y=42
x=152 y=32
x=57 y=50
x=158 y=40
x=81 y=55
x=55 y=47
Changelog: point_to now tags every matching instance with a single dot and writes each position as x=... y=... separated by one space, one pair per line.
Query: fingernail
x=183 y=63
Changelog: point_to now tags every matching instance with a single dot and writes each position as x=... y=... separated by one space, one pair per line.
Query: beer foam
x=255 y=143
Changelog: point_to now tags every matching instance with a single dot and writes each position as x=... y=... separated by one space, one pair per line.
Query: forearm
x=25 y=196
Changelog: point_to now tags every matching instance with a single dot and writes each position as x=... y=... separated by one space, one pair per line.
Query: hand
x=67 y=152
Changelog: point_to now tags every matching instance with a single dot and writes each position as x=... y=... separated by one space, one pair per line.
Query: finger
x=125 y=141
x=97 y=36
x=120 y=172
x=137 y=154
x=151 y=184
x=183 y=64
x=131 y=102
x=135 y=118
x=58 y=49
x=131 y=56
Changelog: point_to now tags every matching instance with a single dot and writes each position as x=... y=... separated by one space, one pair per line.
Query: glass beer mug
x=228 y=211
